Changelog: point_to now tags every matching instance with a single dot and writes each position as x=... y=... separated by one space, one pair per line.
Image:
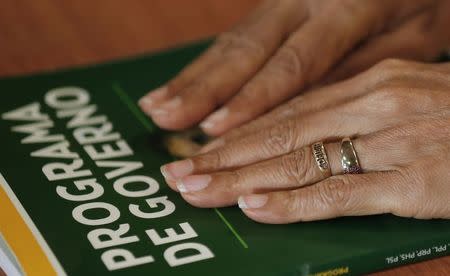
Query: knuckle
x=235 y=186
x=280 y=139
x=350 y=11
x=295 y=166
x=388 y=99
x=393 y=63
x=256 y=95
x=289 y=62
x=210 y=161
x=414 y=190
x=417 y=188
x=391 y=68
x=350 y=7
x=293 y=105
x=291 y=203
x=197 y=86
x=240 y=44
x=335 y=194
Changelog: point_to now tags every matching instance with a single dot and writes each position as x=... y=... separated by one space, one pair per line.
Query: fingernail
x=252 y=201
x=193 y=183
x=212 y=145
x=163 y=172
x=214 y=118
x=158 y=93
x=177 y=169
x=164 y=109
x=159 y=112
x=173 y=103
x=148 y=100
x=145 y=102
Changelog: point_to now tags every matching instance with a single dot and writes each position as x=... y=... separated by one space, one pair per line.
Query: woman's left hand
x=398 y=115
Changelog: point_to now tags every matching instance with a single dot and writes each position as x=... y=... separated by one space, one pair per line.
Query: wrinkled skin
x=398 y=113
x=286 y=46
x=285 y=78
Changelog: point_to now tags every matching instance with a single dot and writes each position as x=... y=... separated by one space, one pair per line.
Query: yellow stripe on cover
x=19 y=231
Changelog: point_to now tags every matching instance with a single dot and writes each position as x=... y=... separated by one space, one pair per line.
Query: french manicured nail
x=214 y=118
x=173 y=103
x=164 y=173
x=145 y=102
x=193 y=183
x=177 y=169
x=148 y=100
x=164 y=109
x=252 y=201
x=159 y=112
x=158 y=93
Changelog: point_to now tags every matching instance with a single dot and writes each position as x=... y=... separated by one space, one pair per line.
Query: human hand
x=285 y=46
x=398 y=114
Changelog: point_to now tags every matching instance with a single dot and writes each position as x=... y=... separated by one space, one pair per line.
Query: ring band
x=349 y=158
x=321 y=158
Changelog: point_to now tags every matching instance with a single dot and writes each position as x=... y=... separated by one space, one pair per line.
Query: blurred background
x=48 y=34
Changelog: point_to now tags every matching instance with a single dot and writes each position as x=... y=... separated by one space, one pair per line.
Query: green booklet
x=81 y=193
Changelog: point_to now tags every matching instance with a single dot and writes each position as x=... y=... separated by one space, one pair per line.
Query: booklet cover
x=81 y=193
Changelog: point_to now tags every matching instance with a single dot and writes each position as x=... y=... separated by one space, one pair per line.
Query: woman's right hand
x=286 y=45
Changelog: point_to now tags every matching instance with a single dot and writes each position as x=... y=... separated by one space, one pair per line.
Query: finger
x=410 y=40
x=246 y=49
x=168 y=91
x=348 y=195
x=286 y=172
x=275 y=141
x=293 y=170
x=388 y=148
x=386 y=106
x=295 y=64
x=212 y=55
x=309 y=102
